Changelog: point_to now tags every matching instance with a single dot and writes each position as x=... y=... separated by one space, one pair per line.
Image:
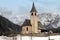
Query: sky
x=22 y=7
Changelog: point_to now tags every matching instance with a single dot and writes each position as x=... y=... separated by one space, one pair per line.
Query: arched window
x=32 y=14
x=27 y=28
x=35 y=14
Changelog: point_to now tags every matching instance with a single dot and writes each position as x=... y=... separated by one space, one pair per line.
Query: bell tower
x=34 y=19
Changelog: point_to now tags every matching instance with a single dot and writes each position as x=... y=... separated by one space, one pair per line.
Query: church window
x=27 y=28
x=32 y=14
x=35 y=14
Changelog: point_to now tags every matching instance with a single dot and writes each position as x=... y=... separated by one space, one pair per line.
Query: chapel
x=32 y=25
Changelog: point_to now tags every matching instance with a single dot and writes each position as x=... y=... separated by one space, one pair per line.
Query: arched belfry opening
x=35 y=14
x=31 y=14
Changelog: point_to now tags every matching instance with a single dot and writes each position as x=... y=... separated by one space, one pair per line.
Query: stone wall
x=26 y=30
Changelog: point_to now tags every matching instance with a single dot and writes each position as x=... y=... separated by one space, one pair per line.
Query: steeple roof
x=33 y=8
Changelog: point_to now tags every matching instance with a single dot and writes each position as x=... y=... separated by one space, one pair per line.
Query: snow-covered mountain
x=49 y=20
x=10 y=15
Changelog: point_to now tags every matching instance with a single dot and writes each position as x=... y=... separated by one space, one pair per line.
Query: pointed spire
x=33 y=8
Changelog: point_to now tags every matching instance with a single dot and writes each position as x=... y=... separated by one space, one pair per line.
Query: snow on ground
x=57 y=37
x=6 y=38
x=18 y=37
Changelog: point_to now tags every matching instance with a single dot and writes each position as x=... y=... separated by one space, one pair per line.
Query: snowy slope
x=49 y=19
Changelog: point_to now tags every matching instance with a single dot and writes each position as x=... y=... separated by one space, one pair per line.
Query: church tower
x=34 y=19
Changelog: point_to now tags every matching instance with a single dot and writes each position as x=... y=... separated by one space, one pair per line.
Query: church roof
x=33 y=8
x=26 y=23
